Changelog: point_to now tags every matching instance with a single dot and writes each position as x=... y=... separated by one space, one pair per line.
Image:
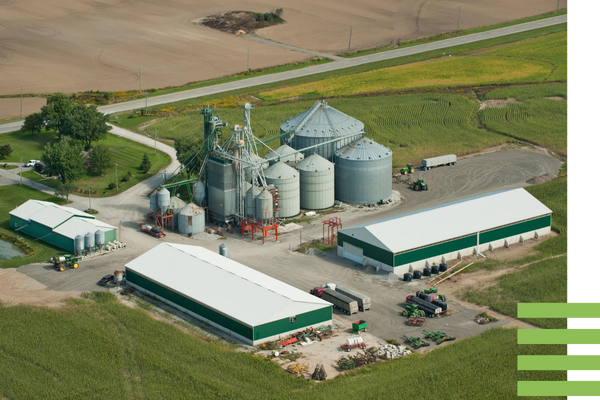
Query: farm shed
x=56 y=224
x=244 y=303
x=418 y=239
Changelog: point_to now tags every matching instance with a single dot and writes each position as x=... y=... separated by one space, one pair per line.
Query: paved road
x=293 y=48
x=336 y=65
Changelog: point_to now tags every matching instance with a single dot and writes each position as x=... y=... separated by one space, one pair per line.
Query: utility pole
x=350 y=40
x=116 y=178
x=458 y=23
x=140 y=75
x=21 y=174
x=146 y=102
x=21 y=101
x=155 y=133
x=557 y=4
x=90 y=195
x=248 y=61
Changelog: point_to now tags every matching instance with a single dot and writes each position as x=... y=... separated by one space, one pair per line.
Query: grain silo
x=250 y=209
x=199 y=192
x=316 y=183
x=286 y=154
x=264 y=205
x=363 y=172
x=222 y=191
x=191 y=219
x=99 y=238
x=287 y=181
x=164 y=200
x=79 y=244
x=320 y=124
x=89 y=241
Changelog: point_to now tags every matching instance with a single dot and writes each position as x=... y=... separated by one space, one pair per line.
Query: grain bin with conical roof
x=264 y=205
x=164 y=200
x=287 y=181
x=250 y=209
x=191 y=219
x=317 y=181
x=320 y=124
x=363 y=172
x=199 y=192
x=286 y=154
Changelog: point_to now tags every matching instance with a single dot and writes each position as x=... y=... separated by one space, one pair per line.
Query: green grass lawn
x=48 y=181
x=126 y=153
x=132 y=355
x=13 y=196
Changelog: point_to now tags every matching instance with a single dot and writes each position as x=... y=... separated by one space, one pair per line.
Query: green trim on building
x=109 y=236
x=435 y=250
x=284 y=325
x=515 y=229
x=189 y=304
x=369 y=250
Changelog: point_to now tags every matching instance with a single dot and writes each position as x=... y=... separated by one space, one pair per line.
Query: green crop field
x=13 y=196
x=540 y=117
x=97 y=348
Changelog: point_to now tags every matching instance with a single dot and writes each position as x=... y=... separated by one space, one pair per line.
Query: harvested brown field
x=77 y=45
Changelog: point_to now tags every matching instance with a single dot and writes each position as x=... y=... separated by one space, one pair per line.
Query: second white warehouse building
x=434 y=235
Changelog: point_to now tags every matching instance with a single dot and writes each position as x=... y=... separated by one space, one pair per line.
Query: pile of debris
x=392 y=351
x=298 y=368
x=319 y=374
x=303 y=338
x=357 y=361
x=482 y=320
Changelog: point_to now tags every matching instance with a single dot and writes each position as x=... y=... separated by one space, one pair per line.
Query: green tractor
x=419 y=185
x=415 y=342
x=407 y=170
x=411 y=310
x=62 y=262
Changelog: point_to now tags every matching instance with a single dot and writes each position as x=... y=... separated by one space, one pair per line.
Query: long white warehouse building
x=411 y=241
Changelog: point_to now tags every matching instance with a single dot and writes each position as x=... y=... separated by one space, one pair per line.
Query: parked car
x=106 y=280
x=31 y=163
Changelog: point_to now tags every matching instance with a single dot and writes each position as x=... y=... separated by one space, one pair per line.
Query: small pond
x=9 y=250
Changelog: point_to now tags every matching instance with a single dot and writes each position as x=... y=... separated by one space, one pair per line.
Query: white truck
x=429 y=163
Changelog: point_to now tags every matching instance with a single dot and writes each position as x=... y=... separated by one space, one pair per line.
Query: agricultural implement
x=416 y=321
x=419 y=185
x=438 y=337
x=415 y=342
x=154 y=231
x=359 y=326
x=62 y=262
x=407 y=170
x=349 y=347
x=412 y=310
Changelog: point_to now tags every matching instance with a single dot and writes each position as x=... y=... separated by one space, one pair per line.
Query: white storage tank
x=363 y=172
x=286 y=154
x=224 y=250
x=164 y=200
x=89 y=241
x=287 y=181
x=191 y=219
x=99 y=238
x=199 y=192
x=154 y=201
x=317 y=183
x=264 y=205
x=250 y=210
x=79 y=244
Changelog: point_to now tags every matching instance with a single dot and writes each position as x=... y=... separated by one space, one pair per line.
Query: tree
x=146 y=164
x=33 y=123
x=56 y=113
x=101 y=159
x=64 y=189
x=186 y=148
x=64 y=159
x=87 y=124
x=5 y=151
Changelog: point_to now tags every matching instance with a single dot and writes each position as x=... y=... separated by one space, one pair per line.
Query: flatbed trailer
x=428 y=163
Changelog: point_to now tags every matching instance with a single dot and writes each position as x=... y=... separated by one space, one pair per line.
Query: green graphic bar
x=558 y=336
x=558 y=388
x=558 y=310
x=558 y=363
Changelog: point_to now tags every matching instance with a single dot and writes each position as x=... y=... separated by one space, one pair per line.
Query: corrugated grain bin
x=250 y=209
x=264 y=205
x=317 y=183
x=199 y=192
x=99 y=238
x=79 y=244
x=363 y=172
x=191 y=219
x=287 y=181
x=286 y=154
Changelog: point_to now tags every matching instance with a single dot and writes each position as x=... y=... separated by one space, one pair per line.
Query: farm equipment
x=407 y=170
x=431 y=296
x=430 y=309
x=359 y=326
x=412 y=310
x=419 y=185
x=68 y=260
x=415 y=342
x=428 y=163
x=154 y=231
x=354 y=343
x=357 y=361
x=416 y=321
x=438 y=337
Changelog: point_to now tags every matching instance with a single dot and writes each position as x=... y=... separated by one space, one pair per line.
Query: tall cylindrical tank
x=154 y=201
x=363 y=172
x=89 y=241
x=250 y=202
x=99 y=238
x=199 y=192
x=264 y=205
x=320 y=124
x=224 y=250
x=222 y=192
x=79 y=244
x=258 y=162
x=118 y=276
x=317 y=183
x=287 y=181
x=286 y=154
x=191 y=219
x=164 y=200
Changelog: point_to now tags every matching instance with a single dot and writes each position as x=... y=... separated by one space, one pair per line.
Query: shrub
x=112 y=185
x=5 y=151
x=127 y=177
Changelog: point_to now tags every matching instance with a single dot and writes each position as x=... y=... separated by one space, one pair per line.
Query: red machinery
x=254 y=226
x=152 y=230
x=333 y=225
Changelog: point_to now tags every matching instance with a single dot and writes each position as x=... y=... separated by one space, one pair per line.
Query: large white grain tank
x=286 y=154
x=191 y=219
x=250 y=209
x=222 y=189
x=317 y=183
x=79 y=244
x=256 y=161
x=164 y=200
x=99 y=238
x=363 y=172
x=287 y=181
x=89 y=241
x=224 y=250
x=199 y=192
x=320 y=124
x=264 y=205
x=154 y=201
x=176 y=205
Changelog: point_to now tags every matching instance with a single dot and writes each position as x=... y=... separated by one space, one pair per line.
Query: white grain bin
x=286 y=154
x=191 y=219
x=287 y=181
x=199 y=192
x=164 y=200
x=264 y=205
x=89 y=241
x=99 y=238
x=250 y=209
x=79 y=244
x=317 y=183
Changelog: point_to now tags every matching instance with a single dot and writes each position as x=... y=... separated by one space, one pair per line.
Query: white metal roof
x=222 y=284
x=46 y=213
x=81 y=226
x=448 y=221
